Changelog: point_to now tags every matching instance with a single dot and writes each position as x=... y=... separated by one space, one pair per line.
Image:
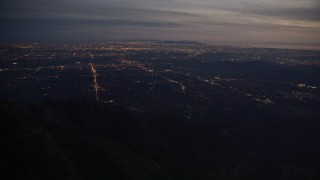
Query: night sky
x=270 y=23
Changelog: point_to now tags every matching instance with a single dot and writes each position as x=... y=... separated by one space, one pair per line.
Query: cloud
x=231 y=21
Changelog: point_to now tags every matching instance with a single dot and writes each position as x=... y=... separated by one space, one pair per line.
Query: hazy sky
x=281 y=23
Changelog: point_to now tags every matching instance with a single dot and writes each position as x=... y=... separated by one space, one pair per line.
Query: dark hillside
x=79 y=138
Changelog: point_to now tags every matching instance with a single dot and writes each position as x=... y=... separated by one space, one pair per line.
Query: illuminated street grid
x=187 y=78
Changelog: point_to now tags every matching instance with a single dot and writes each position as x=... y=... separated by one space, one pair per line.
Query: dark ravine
x=79 y=138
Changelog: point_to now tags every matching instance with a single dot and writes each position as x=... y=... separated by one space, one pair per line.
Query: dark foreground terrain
x=79 y=138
